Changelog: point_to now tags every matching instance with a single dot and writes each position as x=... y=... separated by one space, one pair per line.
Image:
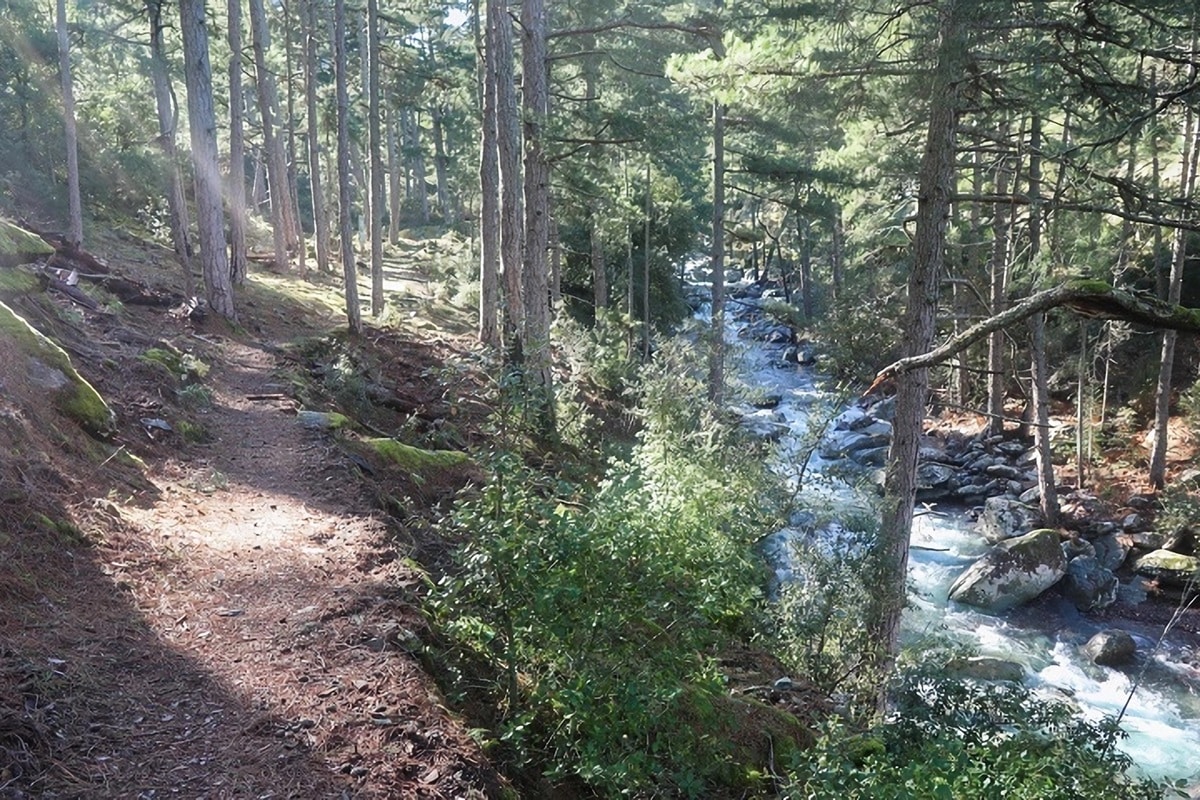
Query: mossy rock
x=414 y=459
x=17 y=281
x=19 y=246
x=47 y=370
x=322 y=420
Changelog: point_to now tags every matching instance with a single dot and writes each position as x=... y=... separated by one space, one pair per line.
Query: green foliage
x=955 y=739
x=820 y=629
x=861 y=337
x=603 y=608
x=1180 y=507
x=195 y=396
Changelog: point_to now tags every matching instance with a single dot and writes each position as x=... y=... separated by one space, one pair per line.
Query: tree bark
x=416 y=161
x=508 y=142
x=167 y=123
x=1162 y=395
x=349 y=272
x=1047 y=491
x=296 y=235
x=998 y=282
x=395 y=179
x=536 y=97
x=203 y=124
x=489 y=191
x=716 y=350
x=936 y=186
x=268 y=102
x=320 y=209
x=237 y=147
x=74 y=202
x=648 y=213
x=374 y=144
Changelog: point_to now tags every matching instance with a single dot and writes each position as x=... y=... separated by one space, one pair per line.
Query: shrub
x=954 y=739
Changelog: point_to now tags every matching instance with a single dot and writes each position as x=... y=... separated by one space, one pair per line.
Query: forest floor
x=237 y=619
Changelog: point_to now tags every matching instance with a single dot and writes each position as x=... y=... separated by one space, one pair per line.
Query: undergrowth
x=600 y=611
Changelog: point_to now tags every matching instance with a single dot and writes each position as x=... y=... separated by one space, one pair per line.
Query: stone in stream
x=1003 y=518
x=1110 y=551
x=1011 y=573
x=1110 y=648
x=1172 y=569
x=1088 y=584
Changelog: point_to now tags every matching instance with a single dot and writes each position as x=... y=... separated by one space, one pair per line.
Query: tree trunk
x=536 y=96
x=167 y=123
x=375 y=144
x=837 y=256
x=1162 y=395
x=395 y=179
x=489 y=191
x=508 y=140
x=1041 y=393
x=315 y=181
x=210 y=217
x=296 y=235
x=74 y=202
x=646 y=268
x=237 y=148
x=804 y=228
x=936 y=185
x=276 y=167
x=998 y=274
x=439 y=160
x=416 y=161
x=349 y=272
x=716 y=352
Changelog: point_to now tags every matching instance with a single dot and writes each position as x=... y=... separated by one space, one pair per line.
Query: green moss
x=17 y=281
x=166 y=358
x=18 y=245
x=414 y=459
x=73 y=395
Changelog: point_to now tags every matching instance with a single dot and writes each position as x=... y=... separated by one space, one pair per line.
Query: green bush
x=603 y=610
x=954 y=739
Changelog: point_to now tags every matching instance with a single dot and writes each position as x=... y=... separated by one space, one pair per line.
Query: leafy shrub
x=604 y=609
x=955 y=739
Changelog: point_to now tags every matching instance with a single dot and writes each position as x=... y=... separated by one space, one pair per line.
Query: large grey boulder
x=1012 y=572
x=1003 y=518
x=1110 y=648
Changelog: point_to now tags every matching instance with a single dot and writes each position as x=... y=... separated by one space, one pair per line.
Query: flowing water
x=1162 y=720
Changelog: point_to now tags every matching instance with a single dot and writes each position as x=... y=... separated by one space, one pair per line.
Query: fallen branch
x=1088 y=298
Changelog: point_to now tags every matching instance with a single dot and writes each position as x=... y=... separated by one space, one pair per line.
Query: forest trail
x=256 y=642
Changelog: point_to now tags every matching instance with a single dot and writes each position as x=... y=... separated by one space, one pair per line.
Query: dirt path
x=257 y=646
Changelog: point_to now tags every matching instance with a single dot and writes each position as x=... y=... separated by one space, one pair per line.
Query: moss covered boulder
x=1011 y=573
x=44 y=370
x=19 y=246
x=1169 y=567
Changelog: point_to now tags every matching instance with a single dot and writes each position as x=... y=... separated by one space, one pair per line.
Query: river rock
x=931 y=475
x=1110 y=648
x=1173 y=569
x=1007 y=472
x=1110 y=551
x=1088 y=584
x=1003 y=518
x=985 y=668
x=1012 y=572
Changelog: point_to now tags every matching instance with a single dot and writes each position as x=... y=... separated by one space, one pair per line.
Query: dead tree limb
x=1088 y=298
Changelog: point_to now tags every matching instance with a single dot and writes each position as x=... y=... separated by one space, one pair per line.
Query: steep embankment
x=207 y=603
